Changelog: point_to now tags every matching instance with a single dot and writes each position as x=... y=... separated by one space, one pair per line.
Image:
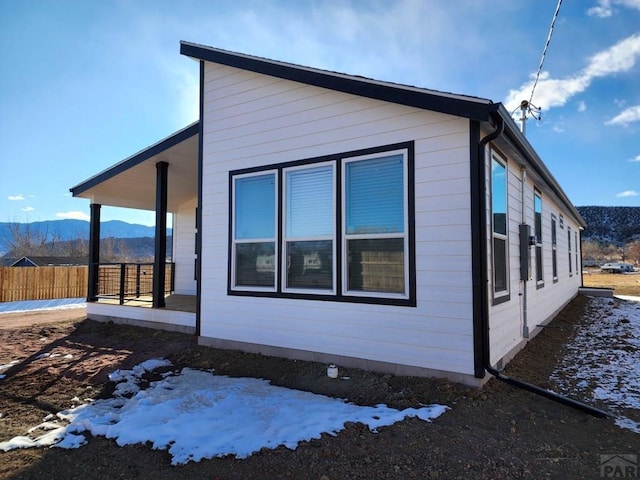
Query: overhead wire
x=544 y=54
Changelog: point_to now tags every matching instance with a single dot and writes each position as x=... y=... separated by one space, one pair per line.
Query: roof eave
x=468 y=107
x=136 y=159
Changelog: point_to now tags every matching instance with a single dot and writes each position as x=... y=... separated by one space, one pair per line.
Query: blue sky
x=84 y=84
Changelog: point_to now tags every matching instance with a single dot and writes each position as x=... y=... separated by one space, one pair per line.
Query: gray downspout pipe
x=486 y=345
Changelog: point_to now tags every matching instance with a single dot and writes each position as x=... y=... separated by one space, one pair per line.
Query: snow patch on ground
x=38 y=305
x=7 y=366
x=196 y=414
x=603 y=358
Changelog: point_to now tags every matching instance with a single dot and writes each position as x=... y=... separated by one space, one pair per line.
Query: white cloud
x=27 y=209
x=73 y=215
x=16 y=197
x=604 y=8
x=552 y=92
x=636 y=159
x=187 y=83
x=627 y=193
x=582 y=106
x=631 y=114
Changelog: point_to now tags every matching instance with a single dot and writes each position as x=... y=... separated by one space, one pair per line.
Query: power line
x=544 y=52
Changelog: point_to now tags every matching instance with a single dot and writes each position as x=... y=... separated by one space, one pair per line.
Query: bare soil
x=499 y=432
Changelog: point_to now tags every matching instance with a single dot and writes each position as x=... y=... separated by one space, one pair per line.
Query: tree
x=591 y=250
x=26 y=240
x=633 y=252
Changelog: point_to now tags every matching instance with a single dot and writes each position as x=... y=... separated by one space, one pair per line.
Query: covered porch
x=162 y=178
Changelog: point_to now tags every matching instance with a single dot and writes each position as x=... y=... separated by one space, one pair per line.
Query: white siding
x=184 y=232
x=252 y=120
x=507 y=320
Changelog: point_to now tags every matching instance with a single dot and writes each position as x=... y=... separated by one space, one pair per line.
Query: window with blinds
x=375 y=225
x=336 y=227
x=309 y=212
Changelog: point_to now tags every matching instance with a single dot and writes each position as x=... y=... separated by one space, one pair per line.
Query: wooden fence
x=42 y=283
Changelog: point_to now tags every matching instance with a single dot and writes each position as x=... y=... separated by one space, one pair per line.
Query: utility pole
x=524 y=108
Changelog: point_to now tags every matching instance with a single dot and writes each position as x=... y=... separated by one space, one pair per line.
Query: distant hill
x=66 y=230
x=611 y=225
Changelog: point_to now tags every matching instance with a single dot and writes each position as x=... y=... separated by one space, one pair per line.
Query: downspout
x=483 y=292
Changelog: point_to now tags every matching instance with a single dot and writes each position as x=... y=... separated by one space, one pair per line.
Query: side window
x=499 y=227
x=569 y=240
x=554 y=247
x=577 y=253
x=537 y=207
x=254 y=231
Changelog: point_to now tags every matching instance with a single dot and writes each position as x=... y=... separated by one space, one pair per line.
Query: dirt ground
x=499 y=432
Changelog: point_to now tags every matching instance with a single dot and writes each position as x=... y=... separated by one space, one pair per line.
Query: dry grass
x=622 y=283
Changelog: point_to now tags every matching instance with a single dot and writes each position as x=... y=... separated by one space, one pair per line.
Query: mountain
x=65 y=230
x=611 y=225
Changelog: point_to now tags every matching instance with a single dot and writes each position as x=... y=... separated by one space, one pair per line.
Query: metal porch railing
x=131 y=281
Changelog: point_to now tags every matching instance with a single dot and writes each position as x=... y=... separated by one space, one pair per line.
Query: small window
x=554 y=248
x=537 y=207
x=577 y=253
x=500 y=227
x=569 y=239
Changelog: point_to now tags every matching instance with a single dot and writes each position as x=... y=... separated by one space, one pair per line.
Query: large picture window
x=337 y=227
x=500 y=227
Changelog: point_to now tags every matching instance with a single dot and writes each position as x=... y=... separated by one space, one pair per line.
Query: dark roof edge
x=520 y=141
x=159 y=147
x=460 y=105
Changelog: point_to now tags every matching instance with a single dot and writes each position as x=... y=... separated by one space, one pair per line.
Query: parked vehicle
x=617 y=267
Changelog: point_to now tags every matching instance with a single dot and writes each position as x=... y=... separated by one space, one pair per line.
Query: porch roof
x=131 y=183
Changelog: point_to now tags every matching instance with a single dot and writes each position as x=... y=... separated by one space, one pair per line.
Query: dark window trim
x=554 y=248
x=537 y=192
x=338 y=296
x=499 y=300
x=500 y=297
x=570 y=251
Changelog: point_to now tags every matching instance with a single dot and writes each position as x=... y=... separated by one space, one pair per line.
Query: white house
x=323 y=216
